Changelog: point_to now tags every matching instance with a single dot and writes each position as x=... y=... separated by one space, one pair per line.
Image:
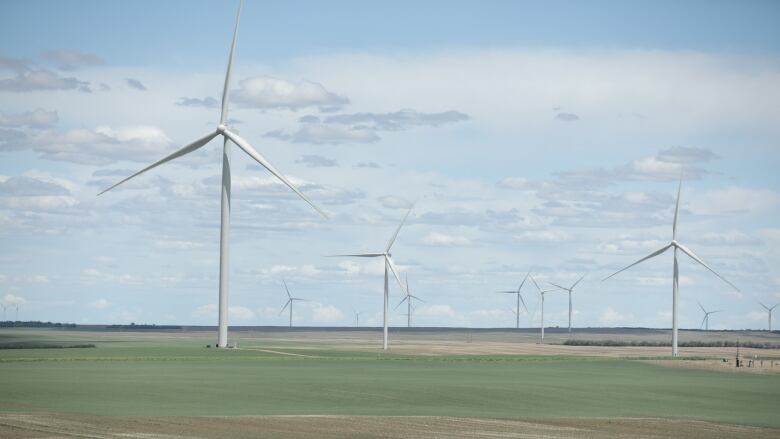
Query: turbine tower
x=387 y=257
x=541 y=319
x=290 y=300
x=769 y=313
x=229 y=135
x=519 y=300
x=675 y=272
x=570 y=290
x=706 y=320
x=408 y=299
x=357 y=317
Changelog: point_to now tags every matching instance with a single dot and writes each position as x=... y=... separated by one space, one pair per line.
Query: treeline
x=133 y=326
x=35 y=324
x=683 y=344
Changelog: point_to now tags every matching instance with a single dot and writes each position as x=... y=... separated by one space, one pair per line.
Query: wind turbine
x=357 y=317
x=17 y=312
x=769 y=312
x=290 y=300
x=570 y=290
x=541 y=320
x=229 y=135
x=408 y=299
x=519 y=300
x=388 y=266
x=706 y=321
x=676 y=272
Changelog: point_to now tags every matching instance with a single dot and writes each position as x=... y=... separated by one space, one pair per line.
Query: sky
x=531 y=136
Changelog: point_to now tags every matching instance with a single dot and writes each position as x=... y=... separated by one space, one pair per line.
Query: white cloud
x=542 y=236
x=326 y=313
x=437 y=311
x=445 y=240
x=612 y=317
x=235 y=313
x=265 y=92
x=10 y=299
x=99 y=304
x=734 y=200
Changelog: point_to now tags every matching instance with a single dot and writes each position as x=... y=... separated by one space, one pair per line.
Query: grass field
x=143 y=375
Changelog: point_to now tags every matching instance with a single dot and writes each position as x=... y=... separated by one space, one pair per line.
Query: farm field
x=304 y=382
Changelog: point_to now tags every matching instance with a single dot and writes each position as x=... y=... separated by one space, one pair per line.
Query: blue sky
x=535 y=135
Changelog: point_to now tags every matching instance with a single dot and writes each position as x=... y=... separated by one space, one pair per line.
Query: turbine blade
x=702 y=321
x=401 y=302
x=523 y=302
x=556 y=285
x=226 y=89
x=359 y=255
x=285 y=306
x=286 y=289
x=395 y=274
x=693 y=256
x=395 y=235
x=578 y=281
x=651 y=255
x=762 y=304
x=243 y=144
x=415 y=297
x=676 y=209
x=185 y=150
x=523 y=282
x=506 y=292
x=702 y=308
x=537 y=285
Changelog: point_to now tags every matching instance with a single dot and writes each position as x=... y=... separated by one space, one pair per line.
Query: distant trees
x=35 y=324
x=686 y=344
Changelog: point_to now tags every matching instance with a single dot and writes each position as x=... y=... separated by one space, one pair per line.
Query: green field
x=177 y=376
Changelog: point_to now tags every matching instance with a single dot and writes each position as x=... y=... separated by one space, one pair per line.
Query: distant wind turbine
x=387 y=257
x=229 y=135
x=769 y=313
x=357 y=317
x=541 y=319
x=408 y=299
x=570 y=290
x=519 y=300
x=706 y=321
x=676 y=272
x=290 y=300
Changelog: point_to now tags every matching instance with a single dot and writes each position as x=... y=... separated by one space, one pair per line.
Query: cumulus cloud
x=38 y=118
x=541 y=236
x=316 y=161
x=437 y=311
x=23 y=186
x=99 y=304
x=26 y=78
x=372 y=165
x=398 y=120
x=100 y=146
x=235 y=313
x=612 y=317
x=72 y=59
x=136 y=84
x=10 y=299
x=393 y=202
x=207 y=102
x=318 y=134
x=264 y=92
x=567 y=117
x=685 y=155
x=326 y=313
x=445 y=240
x=735 y=200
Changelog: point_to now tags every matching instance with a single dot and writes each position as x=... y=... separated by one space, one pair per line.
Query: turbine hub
x=221 y=128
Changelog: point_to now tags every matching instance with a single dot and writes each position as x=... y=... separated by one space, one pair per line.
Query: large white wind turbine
x=541 y=318
x=387 y=257
x=519 y=300
x=408 y=299
x=769 y=312
x=290 y=300
x=706 y=320
x=228 y=136
x=676 y=272
x=570 y=290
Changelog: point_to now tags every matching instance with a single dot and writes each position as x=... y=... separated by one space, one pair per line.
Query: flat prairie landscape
x=337 y=383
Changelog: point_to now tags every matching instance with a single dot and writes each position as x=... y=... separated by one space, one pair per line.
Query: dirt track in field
x=49 y=425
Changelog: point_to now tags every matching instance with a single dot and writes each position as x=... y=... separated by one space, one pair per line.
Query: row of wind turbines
x=230 y=136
